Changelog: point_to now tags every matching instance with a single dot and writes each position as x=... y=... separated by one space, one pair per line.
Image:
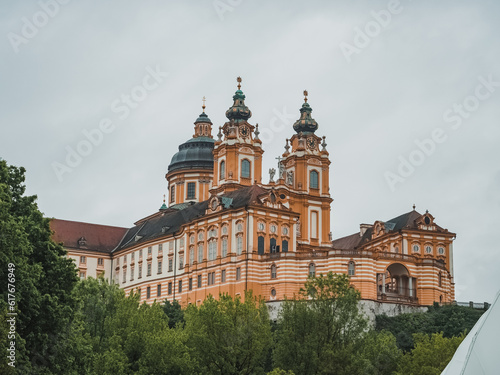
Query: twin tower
x=204 y=167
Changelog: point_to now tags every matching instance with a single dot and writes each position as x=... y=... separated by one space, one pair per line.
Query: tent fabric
x=479 y=353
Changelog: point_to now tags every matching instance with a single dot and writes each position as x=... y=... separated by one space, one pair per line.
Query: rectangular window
x=191 y=190
x=124 y=275
x=191 y=255
x=148 y=292
x=181 y=262
x=238 y=273
x=223 y=276
x=239 y=245
x=132 y=256
x=149 y=269
x=172 y=194
x=245 y=168
x=224 y=247
x=171 y=245
x=314 y=224
x=181 y=243
x=260 y=245
x=160 y=247
x=100 y=261
x=180 y=286
x=140 y=271
x=170 y=265
x=170 y=288
x=159 y=266
x=209 y=278
x=150 y=250
x=190 y=283
x=140 y=253
x=212 y=250
x=132 y=273
x=82 y=259
x=213 y=278
x=158 y=290
x=82 y=275
x=199 y=281
x=200 y=253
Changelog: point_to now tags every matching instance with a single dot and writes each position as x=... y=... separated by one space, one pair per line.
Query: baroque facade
x=225 y=231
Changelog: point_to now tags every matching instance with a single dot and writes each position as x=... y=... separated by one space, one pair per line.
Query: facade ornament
x=324 y=144
x=287 y=147
x=272 y=172
x=219 y=135
x=256 y=132
x=289 y=178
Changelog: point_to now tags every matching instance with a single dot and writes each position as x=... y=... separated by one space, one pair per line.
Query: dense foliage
x=66 y=326
x=451 y=320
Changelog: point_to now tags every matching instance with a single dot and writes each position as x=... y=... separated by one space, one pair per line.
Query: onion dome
x=238 y=112
x=196 y=153
x=306 y=124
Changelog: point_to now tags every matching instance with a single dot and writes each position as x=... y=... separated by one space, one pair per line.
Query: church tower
x=191 y=170
x=237 y=156
x=304 y=171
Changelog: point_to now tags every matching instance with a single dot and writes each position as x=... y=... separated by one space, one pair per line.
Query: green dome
x=305 y=124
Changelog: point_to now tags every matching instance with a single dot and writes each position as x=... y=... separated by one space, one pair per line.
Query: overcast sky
x=382 y=76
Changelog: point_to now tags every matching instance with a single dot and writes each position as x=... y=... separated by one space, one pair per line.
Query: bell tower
x=304 y=171
x=238 y=149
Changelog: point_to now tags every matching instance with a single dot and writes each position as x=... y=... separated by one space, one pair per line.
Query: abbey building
x=225 y=230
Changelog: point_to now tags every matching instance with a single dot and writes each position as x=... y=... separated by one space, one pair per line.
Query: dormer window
x=82 y=241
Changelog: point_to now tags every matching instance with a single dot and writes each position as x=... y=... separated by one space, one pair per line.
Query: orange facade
x=226 y=231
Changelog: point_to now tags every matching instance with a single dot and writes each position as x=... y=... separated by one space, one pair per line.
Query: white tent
x=479 y=353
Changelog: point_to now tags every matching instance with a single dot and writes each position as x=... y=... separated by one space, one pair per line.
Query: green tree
x=430 y=356
x=174 y=312
x=322 y=330
x=379 y=353
x=449 y=319
x=44 y=279
x=229 y=336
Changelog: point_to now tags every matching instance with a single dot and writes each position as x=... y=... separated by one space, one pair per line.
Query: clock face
x=311 y=143
x=244 y=131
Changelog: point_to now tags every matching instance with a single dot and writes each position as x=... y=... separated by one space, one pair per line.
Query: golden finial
x=203 y=106
x=305 y=95
x=163 y=198
x=239 y=82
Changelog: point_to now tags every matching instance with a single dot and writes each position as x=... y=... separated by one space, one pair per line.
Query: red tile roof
x=86 y=236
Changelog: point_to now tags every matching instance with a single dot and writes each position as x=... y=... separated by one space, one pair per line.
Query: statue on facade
x=272 y=172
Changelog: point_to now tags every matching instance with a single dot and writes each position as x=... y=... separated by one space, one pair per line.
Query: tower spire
x=238 y=112
x=305 y=124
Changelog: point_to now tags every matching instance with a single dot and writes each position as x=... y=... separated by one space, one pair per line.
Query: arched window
x=212 y=250
x=284 y=246
x=245 y=168
x=313 y=180
x=172 y=194
x=239 y=245
x=224 y=247
x=260 y=245
x=440 y=280
x=200 y=253
x=312 y=270
x=222 y=173
x=273 y=271
x=351 y=269
x=191 y=255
